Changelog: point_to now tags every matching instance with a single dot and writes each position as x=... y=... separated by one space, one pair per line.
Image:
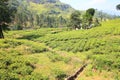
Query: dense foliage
x=32 y=15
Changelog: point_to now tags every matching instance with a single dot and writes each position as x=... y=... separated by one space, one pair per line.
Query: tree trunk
x=1 y=32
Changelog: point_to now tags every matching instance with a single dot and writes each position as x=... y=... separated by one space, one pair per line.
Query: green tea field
x=57 y=53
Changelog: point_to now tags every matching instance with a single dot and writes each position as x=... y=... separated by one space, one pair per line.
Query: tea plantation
x=56 y=53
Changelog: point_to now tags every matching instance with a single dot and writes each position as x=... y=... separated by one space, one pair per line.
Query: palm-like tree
x=118 y=7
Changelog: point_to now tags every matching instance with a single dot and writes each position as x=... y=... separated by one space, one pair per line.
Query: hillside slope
x=51 y=6
x=51 y=54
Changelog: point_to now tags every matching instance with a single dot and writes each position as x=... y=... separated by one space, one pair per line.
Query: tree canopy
x=91 y=11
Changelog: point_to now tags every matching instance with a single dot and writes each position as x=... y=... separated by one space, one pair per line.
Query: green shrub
x=37 y=76
x=14 y=66
x=55 y=57
x=59 y=74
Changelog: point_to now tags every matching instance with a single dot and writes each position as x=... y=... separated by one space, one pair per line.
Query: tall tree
x=7 y=10
x=75 y=19
x=88 y=18
x=90 y=12
x=118 y=7
x=5 y=15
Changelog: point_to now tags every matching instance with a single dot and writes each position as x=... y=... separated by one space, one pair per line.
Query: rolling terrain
x=57 y=53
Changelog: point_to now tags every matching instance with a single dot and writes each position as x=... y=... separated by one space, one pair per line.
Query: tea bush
x=14 y=66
